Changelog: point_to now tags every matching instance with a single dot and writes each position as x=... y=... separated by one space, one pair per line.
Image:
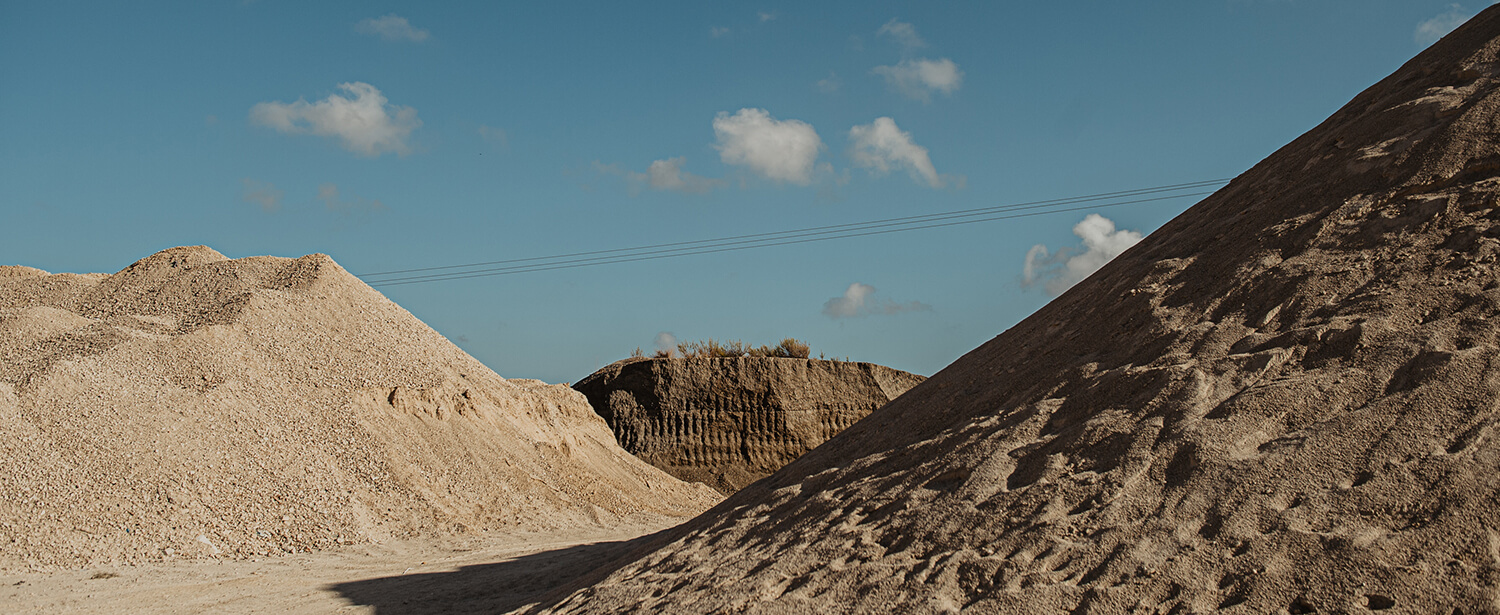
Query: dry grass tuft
x=791 y=348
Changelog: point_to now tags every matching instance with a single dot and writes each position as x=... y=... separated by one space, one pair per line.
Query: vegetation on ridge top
x=791 y=348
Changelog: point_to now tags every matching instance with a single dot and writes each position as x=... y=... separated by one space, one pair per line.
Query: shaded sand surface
x=486 y=574
x=1285 y=400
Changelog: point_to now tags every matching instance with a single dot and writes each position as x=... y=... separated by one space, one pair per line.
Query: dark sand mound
x=1284 y=400
x=195 y=406
x=728 y=422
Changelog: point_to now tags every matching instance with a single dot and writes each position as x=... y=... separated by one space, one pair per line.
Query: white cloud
x=391 y=27
x=1429 y=31
x=1069 y=266
x=904 y=34
x=856 y=302
x=850 y=304
x=779 y=150
x=329 y=194
x=264 y=194
x=718 y=32
x=880 y=145
x=767 y=16
x=666 y=342
x=919 y=78
x=365 y=124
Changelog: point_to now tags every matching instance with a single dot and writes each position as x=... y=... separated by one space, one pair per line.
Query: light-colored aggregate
x=196 y=407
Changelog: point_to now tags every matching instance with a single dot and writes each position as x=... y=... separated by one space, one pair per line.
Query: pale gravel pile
x=1286 y=400
x=192 y=406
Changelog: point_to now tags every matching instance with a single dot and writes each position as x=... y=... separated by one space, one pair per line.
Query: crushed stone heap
x=192 y=406
x=1282 y=401
x=728 y=422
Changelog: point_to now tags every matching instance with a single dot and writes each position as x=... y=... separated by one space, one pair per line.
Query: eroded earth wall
x=727 y=422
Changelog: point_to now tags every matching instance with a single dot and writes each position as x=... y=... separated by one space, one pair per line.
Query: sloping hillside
x=192 y=406
x=1284 y=400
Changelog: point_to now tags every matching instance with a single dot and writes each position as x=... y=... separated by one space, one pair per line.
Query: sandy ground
x=192 y=406
x=488 y=574
x=1285 y=400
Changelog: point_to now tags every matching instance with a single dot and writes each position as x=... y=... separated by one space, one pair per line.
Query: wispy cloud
x=1429 y=31
x=779 y=150
x=856 y=302
x=665 y=342
x=718 y=32
x=663 y=175
x=351 y=206
x=903 y=33
x=881 y=145
x=391 y=27
x=1068 y=266
x=490 y=134
x=365 y=124
x=766 y=16
x=829 y=84
x=261 y=193
x=919 y=78
x=668 y=175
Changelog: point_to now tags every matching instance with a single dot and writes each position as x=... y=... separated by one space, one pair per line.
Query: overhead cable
x=787 y=237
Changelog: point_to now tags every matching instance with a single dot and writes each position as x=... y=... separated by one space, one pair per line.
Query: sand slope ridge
x=193 y=406
x=1284 y=400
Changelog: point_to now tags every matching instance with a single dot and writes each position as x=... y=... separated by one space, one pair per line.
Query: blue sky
x=404 y=135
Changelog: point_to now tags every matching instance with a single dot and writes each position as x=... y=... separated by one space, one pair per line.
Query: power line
x=778 y=238
x=976 y=211
x=787 y=237
x=762 y=240
x=710 y=250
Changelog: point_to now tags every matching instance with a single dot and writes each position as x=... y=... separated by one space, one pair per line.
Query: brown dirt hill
x=728 y=422
x=192 y=406
x=1284 y=400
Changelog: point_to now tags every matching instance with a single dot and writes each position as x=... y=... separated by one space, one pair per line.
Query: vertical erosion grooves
x=729 y=421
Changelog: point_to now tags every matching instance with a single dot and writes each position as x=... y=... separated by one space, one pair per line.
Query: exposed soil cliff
x=727 y=422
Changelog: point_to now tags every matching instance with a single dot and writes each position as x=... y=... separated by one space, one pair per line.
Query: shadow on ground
x=488 y=588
